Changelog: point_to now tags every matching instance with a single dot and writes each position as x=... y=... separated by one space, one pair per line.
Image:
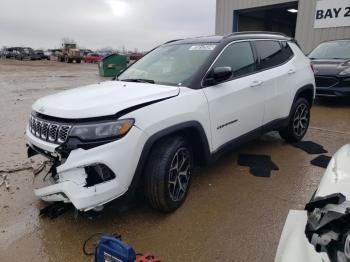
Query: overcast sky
x=140 y=24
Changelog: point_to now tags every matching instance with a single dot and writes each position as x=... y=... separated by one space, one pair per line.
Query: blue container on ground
x=111 y=249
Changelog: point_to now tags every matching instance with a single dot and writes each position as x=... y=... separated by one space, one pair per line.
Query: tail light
x=312 y=67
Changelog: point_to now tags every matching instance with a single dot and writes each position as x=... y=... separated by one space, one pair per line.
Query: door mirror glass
x=222 y=73
x=219 y=74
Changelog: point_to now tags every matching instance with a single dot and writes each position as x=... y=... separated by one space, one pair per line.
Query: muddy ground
x=229 y=215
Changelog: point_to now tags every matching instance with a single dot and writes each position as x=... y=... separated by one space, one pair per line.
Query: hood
x=329 y=66
x=337 y=176
x=104 y=99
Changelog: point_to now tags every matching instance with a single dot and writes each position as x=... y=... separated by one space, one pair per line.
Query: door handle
x=256 y=83
x=292 y=71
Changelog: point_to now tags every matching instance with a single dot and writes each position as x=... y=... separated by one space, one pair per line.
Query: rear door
x=236 y=106
x=279 y=73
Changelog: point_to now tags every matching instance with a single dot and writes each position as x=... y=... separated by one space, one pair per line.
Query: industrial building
x=308 y=21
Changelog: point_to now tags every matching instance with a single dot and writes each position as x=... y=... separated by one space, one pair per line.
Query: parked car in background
x=135 y=56
x=53 y=53
x=10 y=53
x=20 y=53
x=331 y=62
x=84 y=52
x=92 y=58
x=26 y=53
x=47 y=53
x=107 y=140
x=40 y=53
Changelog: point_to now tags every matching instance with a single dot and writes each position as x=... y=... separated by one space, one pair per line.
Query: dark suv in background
x=331 y=62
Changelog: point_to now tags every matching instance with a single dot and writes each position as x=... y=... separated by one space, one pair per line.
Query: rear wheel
x=67 y=59
x=168 y=173
x=298 y=122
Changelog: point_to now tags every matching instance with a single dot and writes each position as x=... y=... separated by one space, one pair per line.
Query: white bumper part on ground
x=71 y=183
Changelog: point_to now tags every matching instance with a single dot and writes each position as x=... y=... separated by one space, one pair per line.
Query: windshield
x=332 y=50
x=169 y=65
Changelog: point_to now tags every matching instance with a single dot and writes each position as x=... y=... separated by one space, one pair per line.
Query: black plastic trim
x=154 y=138
x=34 y=150
x=308 y=87
x=320 y=202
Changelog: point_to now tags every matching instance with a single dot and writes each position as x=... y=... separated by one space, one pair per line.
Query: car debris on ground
x=4 y=181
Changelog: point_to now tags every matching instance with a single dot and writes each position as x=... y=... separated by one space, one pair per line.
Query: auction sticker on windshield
x=202 y=47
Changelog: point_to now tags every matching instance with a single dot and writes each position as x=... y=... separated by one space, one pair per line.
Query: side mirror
x=219 y=74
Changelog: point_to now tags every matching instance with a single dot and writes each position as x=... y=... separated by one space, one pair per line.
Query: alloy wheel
x=179 y=174
x=301 y=120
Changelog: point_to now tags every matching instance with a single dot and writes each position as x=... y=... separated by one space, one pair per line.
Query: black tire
x=78 y=61
x=299 y=121
x=165 y=188
x=67 y=59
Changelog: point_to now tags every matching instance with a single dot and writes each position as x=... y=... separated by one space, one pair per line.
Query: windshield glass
x=332 y=50
x=169 y=65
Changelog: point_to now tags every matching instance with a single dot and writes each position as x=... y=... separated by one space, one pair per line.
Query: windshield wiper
x=139 y=80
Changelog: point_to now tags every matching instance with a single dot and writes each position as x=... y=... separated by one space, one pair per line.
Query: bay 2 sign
x=332 y=13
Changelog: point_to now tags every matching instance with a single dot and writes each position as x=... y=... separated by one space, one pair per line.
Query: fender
x=308 y=87
x=305 y=88
x=163 y=133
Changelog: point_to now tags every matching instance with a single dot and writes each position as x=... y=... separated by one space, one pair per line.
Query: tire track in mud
x=15 y=170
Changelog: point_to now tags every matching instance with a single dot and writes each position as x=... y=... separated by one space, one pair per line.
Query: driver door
x=236 y=105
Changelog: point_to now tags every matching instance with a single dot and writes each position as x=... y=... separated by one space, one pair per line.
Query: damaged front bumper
x=89 y=178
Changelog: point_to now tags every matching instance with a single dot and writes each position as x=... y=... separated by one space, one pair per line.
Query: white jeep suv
x=183 y=104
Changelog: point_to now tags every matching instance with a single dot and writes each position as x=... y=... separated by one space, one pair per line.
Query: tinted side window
x=287 y=51
x=239 y=57
x=270 y=53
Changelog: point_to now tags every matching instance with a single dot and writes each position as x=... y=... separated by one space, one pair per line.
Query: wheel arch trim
x=308 y=87
x=164 y=133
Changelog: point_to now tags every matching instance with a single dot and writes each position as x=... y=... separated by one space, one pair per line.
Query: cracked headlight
x=345 y=72
x=102 y=131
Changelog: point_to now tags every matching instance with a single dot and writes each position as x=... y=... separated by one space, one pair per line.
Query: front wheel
x=167 y=176
x=299 y=121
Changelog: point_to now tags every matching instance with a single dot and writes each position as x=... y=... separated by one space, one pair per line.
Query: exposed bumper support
x=70 y=184
x=81 y=197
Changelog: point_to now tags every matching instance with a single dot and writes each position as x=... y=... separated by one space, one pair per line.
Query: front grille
x=326 y=81
x=44 y=130
x=63 y=134
x=53 y=132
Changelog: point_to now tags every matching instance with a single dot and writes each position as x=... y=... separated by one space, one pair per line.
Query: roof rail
x=172 y=41
x=255 y=33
